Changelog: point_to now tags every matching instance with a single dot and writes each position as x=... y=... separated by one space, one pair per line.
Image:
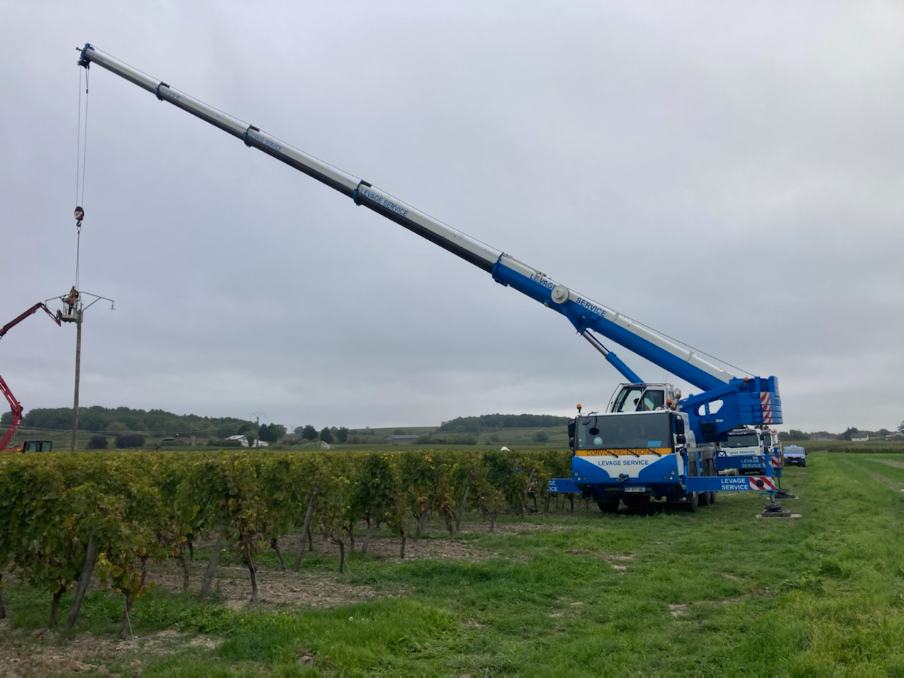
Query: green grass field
x=717 y=592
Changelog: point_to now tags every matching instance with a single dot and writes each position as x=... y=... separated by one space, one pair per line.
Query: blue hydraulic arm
x=587 y=316
x=613 y=359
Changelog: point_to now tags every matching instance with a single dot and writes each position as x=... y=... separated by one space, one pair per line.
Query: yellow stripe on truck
x=635 y=452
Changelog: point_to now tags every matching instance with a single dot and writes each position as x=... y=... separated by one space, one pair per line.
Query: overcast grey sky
x=729 y=173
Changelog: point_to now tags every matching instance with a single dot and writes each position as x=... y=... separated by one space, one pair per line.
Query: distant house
x=401 y=439
x=243 y=441
x=859 y=439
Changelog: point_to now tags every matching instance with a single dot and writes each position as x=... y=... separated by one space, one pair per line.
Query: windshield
x=639 y=399
x=744 y=440
x=624 y=431
x=628 y=399
x=652 y=400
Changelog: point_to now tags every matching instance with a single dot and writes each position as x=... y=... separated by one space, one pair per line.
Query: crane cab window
x=629 y=399
x=639 y=399
x=651 y=400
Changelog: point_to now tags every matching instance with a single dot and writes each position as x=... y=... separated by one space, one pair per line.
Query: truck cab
x=742 y=452
x=635 y=456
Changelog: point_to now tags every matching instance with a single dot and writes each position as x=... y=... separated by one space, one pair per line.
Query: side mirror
x=571 y=428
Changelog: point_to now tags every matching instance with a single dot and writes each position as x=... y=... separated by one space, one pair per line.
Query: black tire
x=691 y=502
x=709 y=469
x=607 y=504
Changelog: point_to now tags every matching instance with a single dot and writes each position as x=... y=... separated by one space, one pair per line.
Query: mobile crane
x=14 y=405
x=674 y=458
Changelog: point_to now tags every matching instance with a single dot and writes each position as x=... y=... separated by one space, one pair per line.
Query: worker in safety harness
x=71 y=301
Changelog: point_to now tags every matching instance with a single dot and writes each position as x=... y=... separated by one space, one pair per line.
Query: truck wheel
x=607 y=504
x=709 y=469
x=691 y=502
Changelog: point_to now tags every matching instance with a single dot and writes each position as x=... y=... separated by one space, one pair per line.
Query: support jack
x=774 y=510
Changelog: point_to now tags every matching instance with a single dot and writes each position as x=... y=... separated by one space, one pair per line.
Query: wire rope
x=81 y=167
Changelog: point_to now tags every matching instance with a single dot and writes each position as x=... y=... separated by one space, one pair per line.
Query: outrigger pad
x=773 y=510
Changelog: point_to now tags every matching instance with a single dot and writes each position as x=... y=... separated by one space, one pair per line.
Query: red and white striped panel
x=766 y=407
x=761 y=483
x=776 y=461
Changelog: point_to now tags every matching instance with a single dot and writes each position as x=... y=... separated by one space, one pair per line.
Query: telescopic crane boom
x=741 y=397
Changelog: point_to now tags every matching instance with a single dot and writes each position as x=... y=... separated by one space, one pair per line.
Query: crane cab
x=644 y=398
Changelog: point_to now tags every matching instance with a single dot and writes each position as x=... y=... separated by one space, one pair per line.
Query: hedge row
x=68 y=517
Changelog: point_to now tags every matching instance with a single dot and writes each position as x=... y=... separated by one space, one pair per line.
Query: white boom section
x=364 y=193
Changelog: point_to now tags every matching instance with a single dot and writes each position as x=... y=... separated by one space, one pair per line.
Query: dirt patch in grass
x=42 y=652
x=565 y=607
x=755 y=593
x=388 y=548
x=894 y=463
x=439 y=549
x=618 y=561
x=678 y=610
x=520 y=527
x=233 y=585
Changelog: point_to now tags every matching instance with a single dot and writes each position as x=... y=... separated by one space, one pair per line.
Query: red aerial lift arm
x=14 y=405
x=22 y=316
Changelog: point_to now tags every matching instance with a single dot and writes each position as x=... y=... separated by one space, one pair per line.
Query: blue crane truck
x=651 y=441
x=743 y=451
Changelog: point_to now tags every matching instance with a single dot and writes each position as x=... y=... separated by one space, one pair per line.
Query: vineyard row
x=69 y=517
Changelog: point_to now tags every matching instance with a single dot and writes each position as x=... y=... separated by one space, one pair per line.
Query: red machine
x=14 y=405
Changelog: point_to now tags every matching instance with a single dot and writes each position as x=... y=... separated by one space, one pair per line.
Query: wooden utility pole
x=79 y=312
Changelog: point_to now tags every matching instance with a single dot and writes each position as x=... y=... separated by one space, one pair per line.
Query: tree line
x=113 y=420
x=498 y=421
x=328 y=434
x=850 y=433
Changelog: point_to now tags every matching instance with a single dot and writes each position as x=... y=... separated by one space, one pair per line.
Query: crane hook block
x=79 y=214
